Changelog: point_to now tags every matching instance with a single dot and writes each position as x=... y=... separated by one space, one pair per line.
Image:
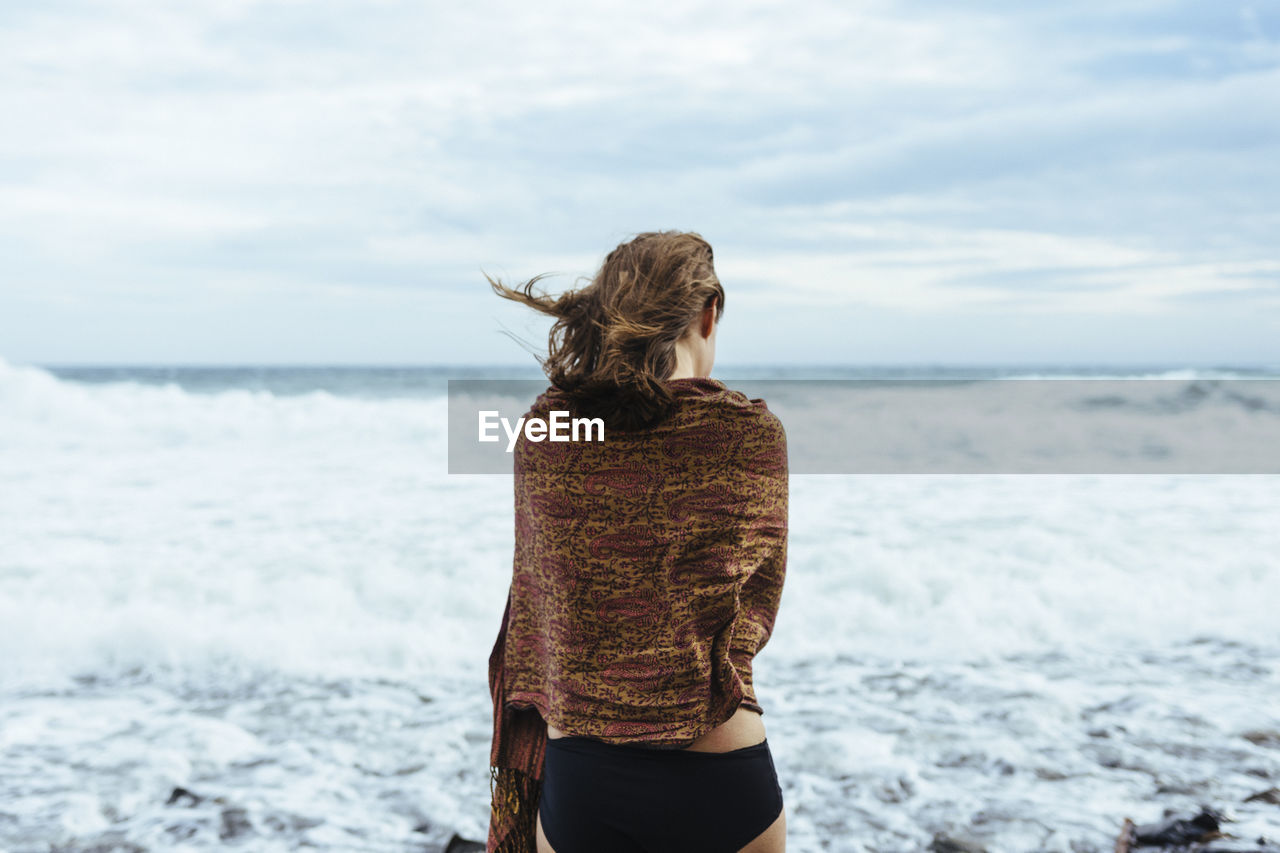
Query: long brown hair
x=612 y=345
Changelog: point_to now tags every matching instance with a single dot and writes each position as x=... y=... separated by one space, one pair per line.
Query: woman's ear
x=708 y=318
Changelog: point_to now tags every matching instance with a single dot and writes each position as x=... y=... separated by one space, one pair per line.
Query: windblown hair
x=612 y=345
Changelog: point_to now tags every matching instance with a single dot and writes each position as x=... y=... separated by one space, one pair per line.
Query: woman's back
x=648 y=568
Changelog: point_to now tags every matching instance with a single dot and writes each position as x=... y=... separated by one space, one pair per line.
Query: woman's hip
x=656 y=799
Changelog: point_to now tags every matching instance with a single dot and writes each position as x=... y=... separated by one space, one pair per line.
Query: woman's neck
x=686 y=365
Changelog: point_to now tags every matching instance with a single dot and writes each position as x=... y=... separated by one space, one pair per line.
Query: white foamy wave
x=1187 y=373
x=151 y=525
x=958 y=567
x=156 y=526
x=34 y=404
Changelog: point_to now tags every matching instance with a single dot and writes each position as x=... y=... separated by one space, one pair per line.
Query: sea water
x=248 y=606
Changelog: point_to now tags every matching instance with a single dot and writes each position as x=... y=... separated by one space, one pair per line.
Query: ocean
x=249 y=606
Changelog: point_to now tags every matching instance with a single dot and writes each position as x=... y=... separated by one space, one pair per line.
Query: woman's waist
x=743 y=729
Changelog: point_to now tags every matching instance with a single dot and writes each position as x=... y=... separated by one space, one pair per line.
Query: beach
x=254 y=608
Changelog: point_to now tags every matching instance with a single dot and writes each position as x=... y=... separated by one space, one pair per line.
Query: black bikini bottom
x=630 y=799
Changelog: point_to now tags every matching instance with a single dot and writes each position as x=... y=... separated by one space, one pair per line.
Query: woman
x=647 y=573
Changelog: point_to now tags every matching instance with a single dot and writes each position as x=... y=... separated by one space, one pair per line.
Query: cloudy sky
x=233 y=181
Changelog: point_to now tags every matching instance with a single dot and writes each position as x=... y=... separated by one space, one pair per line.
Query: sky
x=325 y=182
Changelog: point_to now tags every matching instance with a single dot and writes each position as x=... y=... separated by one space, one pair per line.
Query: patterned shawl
x=647 y=574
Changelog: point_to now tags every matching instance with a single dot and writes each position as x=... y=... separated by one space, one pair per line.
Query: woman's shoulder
x=730 y=401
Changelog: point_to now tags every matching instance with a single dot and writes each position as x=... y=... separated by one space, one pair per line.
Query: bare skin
x=696 y=350
x=743 y=729
x=695 y=354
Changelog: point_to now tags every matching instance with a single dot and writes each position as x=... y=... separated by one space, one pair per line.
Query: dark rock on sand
x=1177 y=829
x=458 y=844
x=943 y=843
x=235 y=822
x=1185 y=833
x=182 y=797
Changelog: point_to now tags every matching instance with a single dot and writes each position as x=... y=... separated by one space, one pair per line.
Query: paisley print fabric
x=647 y=574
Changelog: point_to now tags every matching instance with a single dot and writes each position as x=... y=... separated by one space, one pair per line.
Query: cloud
x=1098 y=157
